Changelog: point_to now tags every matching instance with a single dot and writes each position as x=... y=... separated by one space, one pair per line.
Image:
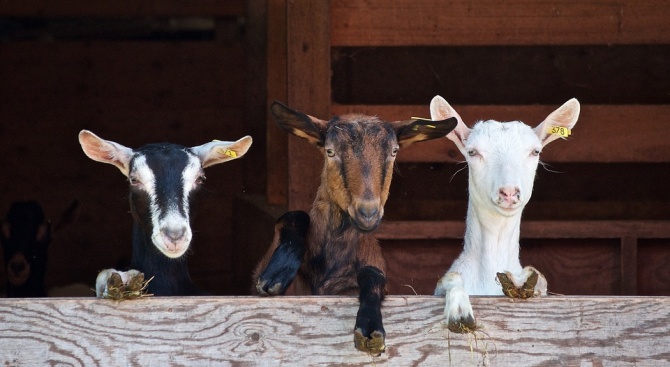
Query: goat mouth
x=508 y=210
x=366 y=226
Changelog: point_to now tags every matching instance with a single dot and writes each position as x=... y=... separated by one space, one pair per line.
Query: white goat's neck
x=491 y=245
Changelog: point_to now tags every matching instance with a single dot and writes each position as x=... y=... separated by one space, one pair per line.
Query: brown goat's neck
x=334 y=245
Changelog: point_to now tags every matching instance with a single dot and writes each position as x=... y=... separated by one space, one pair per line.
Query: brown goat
x=332 y=250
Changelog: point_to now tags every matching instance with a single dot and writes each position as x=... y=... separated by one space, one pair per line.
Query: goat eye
x=200 y=180
x=330 y=152
x=134 y=181
x=394 y=151
x=472 y=152
x=535 y=152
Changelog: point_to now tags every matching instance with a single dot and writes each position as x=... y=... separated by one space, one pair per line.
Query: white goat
x=502 y=159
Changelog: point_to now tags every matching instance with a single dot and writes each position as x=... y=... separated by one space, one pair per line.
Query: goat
x=163 y=179
x=332 y=251
x=25 y=239
x=502 y=159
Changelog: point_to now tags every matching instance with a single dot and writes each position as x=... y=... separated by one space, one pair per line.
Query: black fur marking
x=369 y=318
x=171 y=276
x=288 y=255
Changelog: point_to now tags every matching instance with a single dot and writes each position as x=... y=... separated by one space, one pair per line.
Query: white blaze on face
x=502 y=159
x=170 y=222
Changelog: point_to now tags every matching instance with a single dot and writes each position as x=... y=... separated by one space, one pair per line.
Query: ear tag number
x=228 y=152
x=563 y=132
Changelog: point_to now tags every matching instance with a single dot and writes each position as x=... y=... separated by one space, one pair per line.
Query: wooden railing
x=310 y=331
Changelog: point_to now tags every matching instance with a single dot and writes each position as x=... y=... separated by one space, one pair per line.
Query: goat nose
x=174 y=235
x=509 y=194
x=17 y=267
x=368 y=211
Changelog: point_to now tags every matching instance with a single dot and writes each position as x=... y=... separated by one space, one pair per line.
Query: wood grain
x=489 y=22
x=289 y=331
x=609 y=125
x=308 y=65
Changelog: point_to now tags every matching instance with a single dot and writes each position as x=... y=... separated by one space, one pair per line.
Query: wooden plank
x=407 y=230
x=308 y=47
x=290 y=331
x=629 y=265
x=103 y=8
x=489 y=22
x=277 y=89
x=608 y=125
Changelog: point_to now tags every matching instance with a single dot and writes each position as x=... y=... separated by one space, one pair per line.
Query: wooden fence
x=306 y=331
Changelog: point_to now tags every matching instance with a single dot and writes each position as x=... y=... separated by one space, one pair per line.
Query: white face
x=168 y=206
x=502 y=160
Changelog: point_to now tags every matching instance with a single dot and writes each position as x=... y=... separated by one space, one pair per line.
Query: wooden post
x=308 y=40
x=628 y=265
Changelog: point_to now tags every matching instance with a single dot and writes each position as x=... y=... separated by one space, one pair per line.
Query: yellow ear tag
x=420 y=118
x=227 y=152
x=230 y=153
x=563 y=132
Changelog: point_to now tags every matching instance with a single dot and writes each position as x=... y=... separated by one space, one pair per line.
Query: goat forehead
x=359 y=132
x=166 y=162
x=497 y=135
x=24 y=218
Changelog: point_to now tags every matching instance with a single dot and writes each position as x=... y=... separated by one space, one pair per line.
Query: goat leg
x=280 y=271
x=369 y=334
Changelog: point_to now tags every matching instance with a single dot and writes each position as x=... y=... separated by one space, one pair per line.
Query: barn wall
x=134 y=76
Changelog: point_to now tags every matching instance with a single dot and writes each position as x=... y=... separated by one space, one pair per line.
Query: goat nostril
x=17 y=267
x=368 y=212
x=174 y=235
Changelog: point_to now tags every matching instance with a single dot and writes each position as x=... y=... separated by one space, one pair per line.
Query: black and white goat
x=163 y=178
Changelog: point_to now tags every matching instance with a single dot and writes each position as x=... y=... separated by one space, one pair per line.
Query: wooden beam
x=414 y=230
x=629 y=265
x=308 y=47
x=101 y=8
x=291 y=331
x=490 y=22
x=604 y=133
x=277 y=89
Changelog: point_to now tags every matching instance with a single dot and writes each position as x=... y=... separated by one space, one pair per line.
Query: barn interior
x=158 y=71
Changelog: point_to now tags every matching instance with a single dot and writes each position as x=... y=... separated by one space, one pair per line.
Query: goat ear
x=565 y=116
x=6 y=230
x=440 y=110
x=222 y=151
x=105 y=151
x=411 y=131
x=68 y=217
x=299 y=124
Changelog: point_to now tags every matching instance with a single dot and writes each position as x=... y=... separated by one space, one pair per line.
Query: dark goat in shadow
x=25 y=238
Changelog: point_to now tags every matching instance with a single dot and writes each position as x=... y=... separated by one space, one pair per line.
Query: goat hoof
x=264 y=290
x=462 y=325
x=527 y=290
x=373 y=345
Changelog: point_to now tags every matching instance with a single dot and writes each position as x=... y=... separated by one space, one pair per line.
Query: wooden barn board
x=105 y=8
x=617 y=133
x=290 y=331
x=308 y=76
x=489 y=22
